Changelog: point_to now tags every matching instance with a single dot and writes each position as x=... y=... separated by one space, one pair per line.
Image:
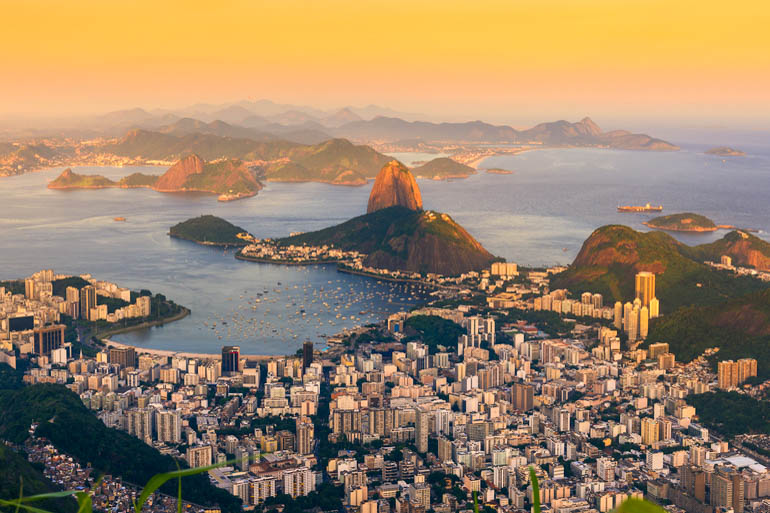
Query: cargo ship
x=644 y=208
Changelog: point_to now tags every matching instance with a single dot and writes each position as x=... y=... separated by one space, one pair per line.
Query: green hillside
x=335 y=161
x=745 y=249
x=17 y=474
x=740 y=327
x=613 y=254
x=75 y=430
x=404 y=239
x=138 y=180
x=70 y=180
x=208 y=230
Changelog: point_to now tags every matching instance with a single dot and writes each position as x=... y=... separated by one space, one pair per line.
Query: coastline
x=203 y=356
x=386 y=278
x=148 y=324
x=207 y=243
x=239 y=256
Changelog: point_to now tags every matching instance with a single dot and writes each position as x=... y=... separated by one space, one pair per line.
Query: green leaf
x=535 y=490
x=19 y=505
x=158 y=480
x=634 y=505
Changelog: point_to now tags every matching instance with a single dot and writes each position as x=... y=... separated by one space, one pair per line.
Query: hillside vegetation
x=73 y=429
x=613 y=254
x=685 y=222
x=404 y=239
x=208 y=230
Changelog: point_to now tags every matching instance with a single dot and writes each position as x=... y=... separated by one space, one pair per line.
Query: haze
x=515 y=62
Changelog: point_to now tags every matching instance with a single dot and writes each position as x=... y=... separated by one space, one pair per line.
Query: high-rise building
x=618 y=317
x=169 y=426
x=421 y=429
x=650 y=431
x=48 y=338
x=307 y=354
x=231 y=356
x=645 y=287
x=644 y=322
x=139 y=424
x=261 y=488
x=523 y=396
x=654 y=308
x=305 y=435
x=123 y=356
x=657 y=348
x=72 y=295
x=87 y=302
x=298 y=482
x=198 y=456
x=730 y=374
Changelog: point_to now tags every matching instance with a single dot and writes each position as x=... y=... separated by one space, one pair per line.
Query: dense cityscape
x=414 y=414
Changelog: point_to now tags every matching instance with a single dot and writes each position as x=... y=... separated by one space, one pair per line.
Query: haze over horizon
x=503 y=62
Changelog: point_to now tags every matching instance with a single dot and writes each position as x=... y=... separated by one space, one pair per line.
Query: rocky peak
x=394 y=185
x=587 y=127
x=175 y=177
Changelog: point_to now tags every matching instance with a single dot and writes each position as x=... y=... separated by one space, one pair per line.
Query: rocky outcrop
x=177 y=175
x=394 y=186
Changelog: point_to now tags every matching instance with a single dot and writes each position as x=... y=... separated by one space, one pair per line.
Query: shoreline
x=184 y=354
x=147 y=324
x=387 y=278
x=258 y=260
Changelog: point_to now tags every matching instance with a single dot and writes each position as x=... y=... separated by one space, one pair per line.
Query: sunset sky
x=513 y=61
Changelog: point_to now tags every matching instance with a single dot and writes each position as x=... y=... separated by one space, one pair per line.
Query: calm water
x=539 y=215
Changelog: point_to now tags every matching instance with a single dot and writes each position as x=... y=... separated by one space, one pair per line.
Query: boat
x=119 y=219
x=643 y=208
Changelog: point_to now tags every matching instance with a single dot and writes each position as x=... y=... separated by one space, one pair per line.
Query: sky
x=515 y=61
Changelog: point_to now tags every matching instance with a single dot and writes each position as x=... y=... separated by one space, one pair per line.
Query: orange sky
x=505 y=60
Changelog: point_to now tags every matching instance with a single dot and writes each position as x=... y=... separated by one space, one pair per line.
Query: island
x=725 y=151
x=209 y=230
x=231 y=179
x=684 y=222
x=498 y=171
x=443 y=168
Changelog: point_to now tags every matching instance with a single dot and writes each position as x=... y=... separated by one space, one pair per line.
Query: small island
x=443 y=168
x=209 y=230
x=498 y=171
x=684 y=222
x=726 y=151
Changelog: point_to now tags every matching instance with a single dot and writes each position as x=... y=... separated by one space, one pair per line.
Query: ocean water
x=539 y=215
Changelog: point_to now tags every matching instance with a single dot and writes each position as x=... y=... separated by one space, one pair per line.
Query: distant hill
x=75 y=430
x=399 y=238
x=70 y=180
x=394 y=186
x=337 y=161
x=557 y=133
x=745 y=249
x=685 y=222
x=208 y=230
x=725 y=151
x=612 y=255
x=230 y=178
x=442 y=168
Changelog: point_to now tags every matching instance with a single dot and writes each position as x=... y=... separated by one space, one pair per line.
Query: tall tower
x=231 y=356
x=87 y=301
x=307 y=354
x=645 y=287
x=421 y=421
